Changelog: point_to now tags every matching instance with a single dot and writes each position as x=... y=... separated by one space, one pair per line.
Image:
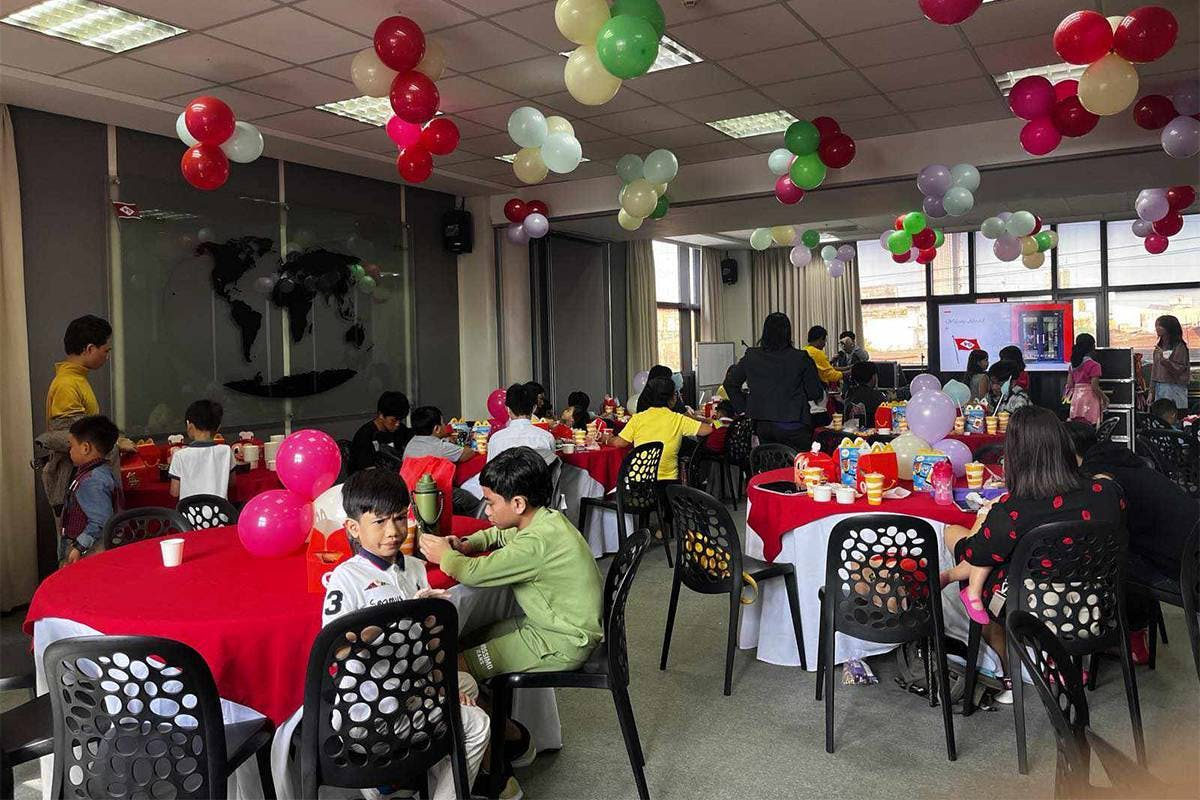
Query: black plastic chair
x=207 y=511
x=738 y=446
x=1106 y=429
x=140 y=715
x=1172 y=592
x=142 y=523
x=710 y=561
x=607 y=668
x=16 y=667
x=381 y=700
x=26 y=734
x=1175 y=454
x=882 y=585
x=1058 y=682
x=637 y=494
x=767 y=457
x=1071 y=575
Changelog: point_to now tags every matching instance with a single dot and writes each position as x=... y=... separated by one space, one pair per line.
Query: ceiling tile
x=589 y=132
x=218 y=61
x=286 y=33
x=134 y=77
x=469 y=128
x=536 y=23
x=943 y=95
x=1015 y=19
x=317 y=124
x=686 y=136
x=923 y=71
x=965 y=114
x=462 y=92
x=372 y=141
x=681 y=83
x=245 y=105
x=872 y=105
x=527 y=78
x=479 y=45
x=457 y=157
x=194 y=15
x=495 y=116
x=642 y=120
x=880 y=126
x=1182 y=57
x=589 y=169
x=811 y=58
x=562 y=102
x=834 y=19
x=820 y=89
x=1033 y=51
x=483 y=168
x=712 y=152
x=495 y=144
x=489 y=8
x=33 y=51
x=338 y=66
x=365 y=15
x=302 y=86
x=897 y=42
x=678 y=13
x=611 y=149
x=724 y=106
x=744 y=32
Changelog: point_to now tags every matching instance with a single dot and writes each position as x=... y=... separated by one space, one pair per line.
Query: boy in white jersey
x=203 y=466
x=376 y=505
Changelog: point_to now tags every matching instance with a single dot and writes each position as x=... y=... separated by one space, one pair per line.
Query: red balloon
x=1037 y=224
x=1071 y=118
x=1067 y=88
x=516 y=211
x=1155 y=244
x=926 y=255
x=787 y=192
x=440 y=136
x=414 y=97
x=899 y=224
x=1153 y=111
x=1083 y=37
x=903 y=258
x=949 y=12
x=1039 y=136
x=1031 y=97
x=414 y=164
x=538 y=207
x=205 y=166
x=1180 y=197
x=837 y=151
x=1146 y=34
x=924 y=239
x=1169 y=225
x=399 y=43
x=827 y=126
x=403 y=133
x=209 y=120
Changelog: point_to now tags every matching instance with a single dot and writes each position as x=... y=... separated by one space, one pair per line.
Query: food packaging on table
x=480 y=432
x=849 y=451
x=149 y=451
x=975 y=418
x=323 y=555
x=462 y=431
x=883 y=416
x=245 y=438
x=881 y=459
x=815 y=458
x=923 y=469
x=135 y=471
x=609 y=406
x=899 y=414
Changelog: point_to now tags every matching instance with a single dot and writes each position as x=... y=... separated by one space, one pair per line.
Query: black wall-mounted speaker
x=457 y=231
x=729 y=269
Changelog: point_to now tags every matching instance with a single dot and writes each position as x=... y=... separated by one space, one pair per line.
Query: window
x=880 y=277
x=1083 y=313
x=994 y=275
x=1078 y=254
x=677 y=287
x=1131 y=316
x=896 y=332
x=952 y=265
x=1130 y=265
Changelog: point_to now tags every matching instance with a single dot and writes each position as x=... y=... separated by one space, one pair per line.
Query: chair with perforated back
x=767 y=457
x=140 y=716
x=1170 y=590
x=882 y=585
x=207 y=511
x=137 y=524
x=607 y=667
x=381 y=700
x=1057 y=679
x=637 y=493
x=739 y=445
x=1106 y=429
x=1175 y=454
x=1071 y=575
x=709 y=560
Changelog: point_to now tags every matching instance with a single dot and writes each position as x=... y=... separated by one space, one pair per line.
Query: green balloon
x=808 y=171
x=939 y=238
x=627 y=46
x=914 y=222
x=810 y=238
x=660 y=210
x=900 y=242
x=366 y=285
x=1044 y=241
x=648 y=10
x=802 y=138
x=357 y=271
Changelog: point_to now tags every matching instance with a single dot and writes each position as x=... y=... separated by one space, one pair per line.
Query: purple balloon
x=1186 y=97
x=800 y=256
x=517 y=234
x=959 y=453
x=836 y=269
x=1004 y=215
x=935 y=179
x=1142 y=229
x=883 y=240
x=932 y=206
x=1006 y=248
x=924 y=382
x=846 y=253
x=1152 y=205
x=931 y=415
x=1181 y=137
x=536 y=225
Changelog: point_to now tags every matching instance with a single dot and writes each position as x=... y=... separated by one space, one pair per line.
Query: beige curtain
x=808 y=296
x=641 y=308
x=710 y=294
x=777 y=286
x=18 y=516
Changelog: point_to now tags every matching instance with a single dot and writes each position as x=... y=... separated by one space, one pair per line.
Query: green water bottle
x=427 y=501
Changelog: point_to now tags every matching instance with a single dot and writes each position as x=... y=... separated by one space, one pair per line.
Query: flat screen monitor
x=1043 y=331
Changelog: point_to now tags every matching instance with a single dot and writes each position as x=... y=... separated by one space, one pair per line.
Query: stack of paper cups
x=250 y=454
x=974 y=475
x=1002 y=419
x=271 y=450
x=278 y=437
x=873 y=483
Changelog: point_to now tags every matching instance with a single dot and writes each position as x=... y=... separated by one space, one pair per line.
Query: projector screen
x=1043 y=331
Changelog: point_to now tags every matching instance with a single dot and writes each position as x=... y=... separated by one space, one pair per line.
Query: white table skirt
x=767 y=624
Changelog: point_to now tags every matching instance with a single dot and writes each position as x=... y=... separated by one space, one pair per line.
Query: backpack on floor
x=911 y=674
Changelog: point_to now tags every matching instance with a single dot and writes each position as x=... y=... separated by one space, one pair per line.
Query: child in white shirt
x=203 y=466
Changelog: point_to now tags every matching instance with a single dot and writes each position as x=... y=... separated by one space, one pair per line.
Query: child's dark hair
x=579 y=399
x=659 y=392
x=816 y=333
x=1002 y=371
x=519 y=399
x=863 y=372
x=425 y=419
x=206 y=415
x=1083 y=436
x=580 y=417
x=98 y=431
x=86 y=330
x=519 y=471
x=658 y=371
x=376 y=490
x=1164 y=407
x=393 y=404
x=1013 y=353
x=725 y=409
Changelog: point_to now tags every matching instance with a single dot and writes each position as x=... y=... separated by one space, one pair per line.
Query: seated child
x=431 y=438
x=92 y=496
x=715 y=441
x=387 y=429
x=520 y=430
x=203 y=466
x=576 y=414
x=861 y=397
x=1165 y=411
x=376 y=505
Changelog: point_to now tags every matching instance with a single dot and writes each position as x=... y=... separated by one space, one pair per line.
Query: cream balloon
x=660 y=189
x=1033 y=260
x=628 y=221
x=639 y=198
x=1108 y=86
x=907 y=446
x=1028 y=245
x=528 y=165
x=580 y=20
x=586 y=78
x=784 y=235
x=370 y=75
x=559 y=125
x=433 y=64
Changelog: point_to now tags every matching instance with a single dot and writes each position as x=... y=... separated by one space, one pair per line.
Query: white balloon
x=562 y=152
x=828 y=252
x=182 y=132
x=661 y=166
x=800 y=256
x=560 y=125
x=245 y=145
x=536 y=225
x=966 y=176
x=527 y=127
x=780 y=161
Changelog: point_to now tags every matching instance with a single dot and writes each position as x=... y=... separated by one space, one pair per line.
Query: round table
x=243 y=485
x=603 y=465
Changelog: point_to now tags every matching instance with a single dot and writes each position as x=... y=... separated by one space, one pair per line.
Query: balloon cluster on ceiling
x=615 y=44
x=402 y=66
x=1019 y=234
x=811 y=149
x=548 y=144
x=1177 y=116
x=948 y=190
x=912 y=239
x=528 y=219
x=1160 y=215
x=802 y=245
x=214 y=138
x=644 y=184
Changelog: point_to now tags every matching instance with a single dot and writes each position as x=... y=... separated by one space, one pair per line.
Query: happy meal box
x=244 y=438
x=462 y=431
x=881 y=459
x=480 y=433
x=899 y=414
x=848 y=454
x=975 y=419
x=135 y=471
x=923 y=469
x=148 y=450
x=883 y=416
x=609 y=407
x=323 y=555
x=815 y=458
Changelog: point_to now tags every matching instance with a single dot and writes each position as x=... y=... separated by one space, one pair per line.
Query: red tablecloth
x=976 y=441
x=465 y=470
x=242 y=486
x=250 y=618
x=772 y=515
x=604 y=464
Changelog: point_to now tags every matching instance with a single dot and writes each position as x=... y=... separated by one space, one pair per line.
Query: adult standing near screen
x=1170 y=370
x=1083 y=382
x=781 y=380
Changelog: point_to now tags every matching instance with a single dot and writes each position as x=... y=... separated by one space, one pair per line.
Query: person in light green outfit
x=545 y=560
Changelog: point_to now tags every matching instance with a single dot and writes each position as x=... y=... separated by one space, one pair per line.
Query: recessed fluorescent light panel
x=371 y=110
x=671 y=54
x=92 y=24
x=1051 y=72
x=754 y=124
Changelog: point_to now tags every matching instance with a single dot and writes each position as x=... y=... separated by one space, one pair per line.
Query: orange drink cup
x=992 y=424
x=974 y=475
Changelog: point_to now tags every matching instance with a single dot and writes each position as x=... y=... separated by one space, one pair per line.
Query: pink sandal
x=975 y=609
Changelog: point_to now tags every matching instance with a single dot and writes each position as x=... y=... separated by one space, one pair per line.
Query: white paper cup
x=172 y=552
x=568 y=447
x=250 y=453
x=845 y=495
x=271 y=465
x=822 y=492
x=883 y=431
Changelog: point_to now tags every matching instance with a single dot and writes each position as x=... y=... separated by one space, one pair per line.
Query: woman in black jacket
x=773 y=384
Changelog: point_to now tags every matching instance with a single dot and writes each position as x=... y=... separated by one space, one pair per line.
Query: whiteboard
x=713 y=360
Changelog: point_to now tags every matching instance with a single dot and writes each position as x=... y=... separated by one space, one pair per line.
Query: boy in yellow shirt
x=88 y=341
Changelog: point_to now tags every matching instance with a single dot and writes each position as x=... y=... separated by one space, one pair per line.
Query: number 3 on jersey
x=333 y=602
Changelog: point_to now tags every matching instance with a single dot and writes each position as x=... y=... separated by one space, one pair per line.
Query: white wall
x=477 y=332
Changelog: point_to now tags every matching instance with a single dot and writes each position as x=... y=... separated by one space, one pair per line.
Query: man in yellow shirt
x=817 y=338
x=88 y=341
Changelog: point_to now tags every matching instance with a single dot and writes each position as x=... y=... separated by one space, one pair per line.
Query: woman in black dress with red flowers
x=1044 y=485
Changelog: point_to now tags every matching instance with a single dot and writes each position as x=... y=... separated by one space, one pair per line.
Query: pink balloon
x=931 y=415
x=1040 y=137
x=308 y=462
x=403 y=133
x=959 y=453
x=924 y=382
x=1032 y=97
x=275 y=523
x=787 y=192
x=495 y=405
